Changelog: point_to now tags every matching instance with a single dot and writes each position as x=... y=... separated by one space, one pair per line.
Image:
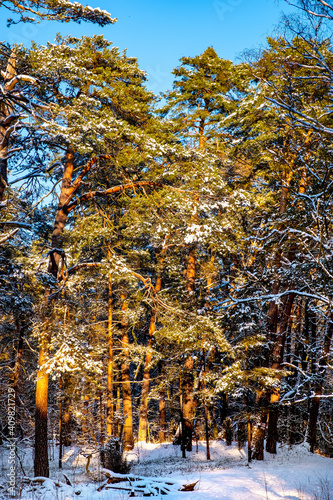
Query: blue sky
x=159 y=33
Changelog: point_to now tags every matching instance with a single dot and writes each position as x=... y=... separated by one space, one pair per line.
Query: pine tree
x=110 y=74
x=32 y=10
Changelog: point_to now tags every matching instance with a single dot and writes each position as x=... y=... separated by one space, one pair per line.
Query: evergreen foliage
x=172 y=266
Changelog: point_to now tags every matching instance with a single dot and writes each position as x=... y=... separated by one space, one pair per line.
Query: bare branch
x=9 y=235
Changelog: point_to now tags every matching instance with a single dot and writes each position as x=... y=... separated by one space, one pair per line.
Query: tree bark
x=272 y=314
x=7 y=119
x=126 y=381
x=41 y=464
x=249 y=441
x=143 y=421
x=56 y=253
x=258 y=442
x=188 y=402
x=163 y=421
x=187 y=381
x=85 y=412
x=272 y=432
x=318 y=389
x=18 y=361
x=205 y=406
x=67 y=441
x=190 y=272
x=109 y=397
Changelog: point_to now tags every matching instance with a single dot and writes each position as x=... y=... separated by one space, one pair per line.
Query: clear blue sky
x=160 y=32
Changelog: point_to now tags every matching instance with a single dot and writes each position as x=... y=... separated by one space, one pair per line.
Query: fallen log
x=41 y=480
x=138 y=484
x=188 y=487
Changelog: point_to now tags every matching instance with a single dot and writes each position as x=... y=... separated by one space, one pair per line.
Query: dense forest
x=166 y=262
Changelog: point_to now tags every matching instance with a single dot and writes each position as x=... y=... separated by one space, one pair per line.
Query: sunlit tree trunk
x=206 y=371
x=143 y=420
x=163 y=420
x=18 y=361
x=85 y=412
x=7 y=119
x=41 y=464
x=126 y=380
x=188 y=376
x=109 y=397
x=188 y=402
x=205 y=364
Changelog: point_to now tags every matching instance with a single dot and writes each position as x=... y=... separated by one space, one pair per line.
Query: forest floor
x=293 y=474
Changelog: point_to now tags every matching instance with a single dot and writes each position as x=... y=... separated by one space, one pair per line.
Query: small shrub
x=112 y=456
x=227 y=431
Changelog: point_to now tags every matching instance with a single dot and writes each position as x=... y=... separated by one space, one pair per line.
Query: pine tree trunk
x=85 y=413
x=67 y=440
x=258 y=442
x=163 y=421
x=41 y=456
x=56 y=266
x=101 y=418
x=206 y=365
x=201 y=134
x=224 y=409
x=126 y=382
x=272 y=431
x=7 y=119
x=206 y=431
x=41 y=462
x=18 y=362
x=109 y=396
x=272 y=314
x=315 y=401
x=143 y=420
x=60 y=427
x=190 y=272
x=188 y=402
x=313 y=418
x=249 y=441
x=187 y=381
x=118 y=427
x=56 y=254
x=213 y=418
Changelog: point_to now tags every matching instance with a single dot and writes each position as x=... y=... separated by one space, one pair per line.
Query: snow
x=293 y=474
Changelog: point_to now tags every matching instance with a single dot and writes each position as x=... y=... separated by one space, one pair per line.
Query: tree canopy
x=166 y=261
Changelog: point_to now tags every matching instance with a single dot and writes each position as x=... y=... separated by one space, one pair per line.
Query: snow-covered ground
x=293 y=474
